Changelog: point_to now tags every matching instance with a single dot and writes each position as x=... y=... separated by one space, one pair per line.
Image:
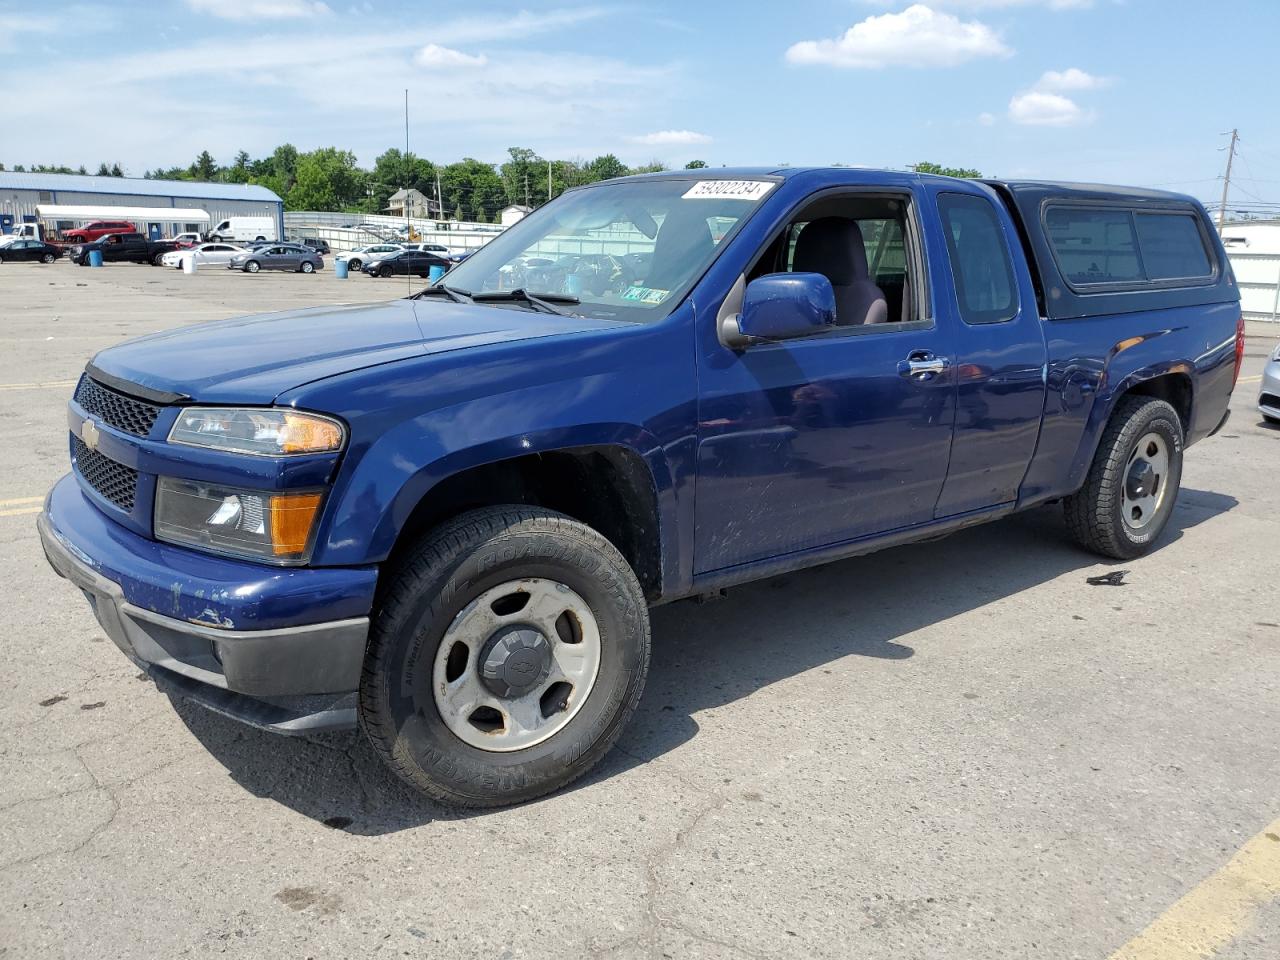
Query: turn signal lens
x=292 y=516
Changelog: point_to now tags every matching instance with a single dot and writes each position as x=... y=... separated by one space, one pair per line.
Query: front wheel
x=384 y=272
x=353 y=265
x=508 y=652
x=1131 y=487
x=252 y=267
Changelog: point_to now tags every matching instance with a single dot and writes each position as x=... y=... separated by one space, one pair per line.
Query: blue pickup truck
x=444 y=518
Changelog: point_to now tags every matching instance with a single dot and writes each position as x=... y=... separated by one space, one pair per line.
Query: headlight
x=254 y=524
x=266 y=432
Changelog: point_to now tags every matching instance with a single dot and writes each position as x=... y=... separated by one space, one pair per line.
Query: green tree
x=205 y=168
x=653 y=166
x=605 y=167
x=936 y=168
x=395 y=170
x=327 y=179
x=103 y=170
x=116 y=171
x=474 y=187
x=696 y=165
x=524 y=176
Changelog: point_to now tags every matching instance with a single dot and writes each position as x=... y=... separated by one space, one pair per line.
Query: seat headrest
x=831 y=246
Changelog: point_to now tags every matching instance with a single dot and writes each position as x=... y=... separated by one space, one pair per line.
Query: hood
x=255 y=359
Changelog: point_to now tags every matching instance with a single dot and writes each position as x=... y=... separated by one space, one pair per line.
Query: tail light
x=1239 y=350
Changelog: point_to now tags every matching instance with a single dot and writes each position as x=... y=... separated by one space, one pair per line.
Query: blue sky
x=1137 y=91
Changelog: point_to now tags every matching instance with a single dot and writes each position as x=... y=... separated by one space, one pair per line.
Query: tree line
x=330 y=179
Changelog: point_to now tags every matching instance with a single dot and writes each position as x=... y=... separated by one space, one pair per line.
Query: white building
x=64 y=200
x=1253 y=246
x=513 y=214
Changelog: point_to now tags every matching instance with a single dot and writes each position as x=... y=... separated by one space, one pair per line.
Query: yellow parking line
x=1249 y=379
x=38 y=386
x=17 y=500
x=25 y=511
x=1217 y=910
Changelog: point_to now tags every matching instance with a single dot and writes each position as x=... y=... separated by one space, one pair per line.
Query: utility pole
x=439 y=195
x=1226 y=181
x=526 y=189
x=548 y=181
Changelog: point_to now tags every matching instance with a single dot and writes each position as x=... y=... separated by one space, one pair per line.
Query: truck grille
x=116 y=409
x=113 y=481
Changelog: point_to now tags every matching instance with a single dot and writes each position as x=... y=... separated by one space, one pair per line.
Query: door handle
x=922 y=365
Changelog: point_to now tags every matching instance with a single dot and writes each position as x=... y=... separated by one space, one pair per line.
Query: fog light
x=254 y=524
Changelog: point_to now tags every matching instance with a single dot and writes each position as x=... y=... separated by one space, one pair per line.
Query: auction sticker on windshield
x=731 y=189
x=645 y=294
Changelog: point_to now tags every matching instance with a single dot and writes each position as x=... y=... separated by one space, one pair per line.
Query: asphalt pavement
x=958 y=749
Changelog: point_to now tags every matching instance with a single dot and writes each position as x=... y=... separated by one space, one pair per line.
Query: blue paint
x=809 y=443
x=340 y=269
x=95 y=258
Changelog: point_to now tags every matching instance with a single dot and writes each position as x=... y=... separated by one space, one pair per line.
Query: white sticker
x=732 y=189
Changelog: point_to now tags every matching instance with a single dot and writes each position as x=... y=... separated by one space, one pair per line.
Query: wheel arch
x=1173 y=382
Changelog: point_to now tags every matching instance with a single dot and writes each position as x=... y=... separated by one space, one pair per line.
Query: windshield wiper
x=539 y=302
x=453 y=293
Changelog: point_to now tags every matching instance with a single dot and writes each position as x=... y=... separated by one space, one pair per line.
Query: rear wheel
x=48 y=258
x=158 y=260
x=354 y=264
x=506 y=656
x=307 y=267
x=1131 y=487
x=252 y=266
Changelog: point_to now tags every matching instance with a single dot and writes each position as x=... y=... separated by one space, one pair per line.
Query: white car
x=207 y=254
x=374 y=251
x=439 y=249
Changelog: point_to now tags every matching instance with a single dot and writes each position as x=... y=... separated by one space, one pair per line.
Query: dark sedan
x=416 y=262
x=30 y=250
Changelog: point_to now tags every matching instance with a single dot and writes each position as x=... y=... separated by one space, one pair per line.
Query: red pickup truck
x=99 y=228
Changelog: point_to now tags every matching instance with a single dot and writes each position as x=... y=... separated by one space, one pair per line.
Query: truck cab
x=445 y=517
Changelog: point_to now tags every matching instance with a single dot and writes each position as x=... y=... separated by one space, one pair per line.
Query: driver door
x=829 y=438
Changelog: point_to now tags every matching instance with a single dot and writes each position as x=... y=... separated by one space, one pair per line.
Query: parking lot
x=957 y=749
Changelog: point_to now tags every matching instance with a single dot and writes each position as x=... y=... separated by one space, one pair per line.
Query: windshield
x=625 y=251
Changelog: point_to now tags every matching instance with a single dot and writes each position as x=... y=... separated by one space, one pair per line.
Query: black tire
x=384 y=272
x=252 y=266
x=1095 y=513
x=156 y=260
x=307 y=267
x=446 y=571
x=353 y=265
x=1274 y=421
x=256 y=239
x=48 y=258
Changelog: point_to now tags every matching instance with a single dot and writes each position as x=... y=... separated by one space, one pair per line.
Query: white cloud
x=1069 y=79
x=986 y=119
x=260 y=9
x=667 y=138
x=1039 y=109
x=916 y=37
x=1045 y=104
x=434 y=55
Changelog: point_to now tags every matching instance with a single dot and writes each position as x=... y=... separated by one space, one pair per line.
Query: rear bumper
x=289 y=679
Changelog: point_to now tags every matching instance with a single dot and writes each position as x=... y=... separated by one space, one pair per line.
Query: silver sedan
x=1269 y=395
x=277 y=256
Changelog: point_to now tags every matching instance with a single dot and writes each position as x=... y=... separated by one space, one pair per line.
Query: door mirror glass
x=782 y=306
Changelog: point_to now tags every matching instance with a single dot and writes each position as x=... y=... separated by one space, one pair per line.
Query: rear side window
x=1172 y=246
x=1108 y=245
x=985 y=287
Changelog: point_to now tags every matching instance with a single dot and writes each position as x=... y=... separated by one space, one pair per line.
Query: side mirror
x=781 y=306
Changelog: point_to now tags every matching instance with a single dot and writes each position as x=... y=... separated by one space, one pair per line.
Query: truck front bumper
x=286 y=678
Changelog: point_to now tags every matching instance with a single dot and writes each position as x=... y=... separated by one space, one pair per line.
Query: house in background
x=409 y=203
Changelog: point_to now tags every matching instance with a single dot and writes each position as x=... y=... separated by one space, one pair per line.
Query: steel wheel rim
x=466 y=699
x=1146 y=481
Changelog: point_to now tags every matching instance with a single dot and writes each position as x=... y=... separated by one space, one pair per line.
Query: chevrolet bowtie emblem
x=89 y=434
